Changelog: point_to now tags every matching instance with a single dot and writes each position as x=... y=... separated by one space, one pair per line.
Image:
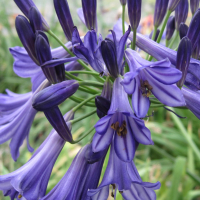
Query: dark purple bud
x=89 y=11
x=56 y=119
x=157 y=34
x=35 y=18
x=42 y=49
x=64 y=17
x=25 y=6
x=183 y=29
x=172 y=4
x=54 y=95
x=102 y=104
x=60 y=72
x=27 y=36
x=181 y=13
x=194 y=29
x=109 y=55
x=183 y=58
x=170 y=27
x=123 y=2
x=92 y=157
x=134 y=12
x=194 y=5
x=160 y=11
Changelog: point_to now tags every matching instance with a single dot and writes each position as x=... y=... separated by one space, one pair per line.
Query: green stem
x=89 y=131
x=123 y=18
x=185 y=134
x=83 y=117
x=84 y=102
x=84 y=72
x=174 y=39
x=90 y=83
x=134 y=39
x=71 y=54
x=79 y=100
x=166 y=43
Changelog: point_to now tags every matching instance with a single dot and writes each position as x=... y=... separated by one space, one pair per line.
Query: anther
x=145 y=88
x=19 y=196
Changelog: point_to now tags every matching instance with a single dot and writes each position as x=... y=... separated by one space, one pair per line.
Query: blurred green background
x=172 y=160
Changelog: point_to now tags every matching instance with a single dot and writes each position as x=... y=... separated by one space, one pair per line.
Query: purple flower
x=48 y=100
x=192 y=100
x=30 y=180
x=134 y=12
x=183 y=29
x=25 y=67
x=25 y=7
x=123 y=2
x=80 y=177
x=173 y=4
x=123 y=176
x=161 y=52
x=89 y=11
x=16 y=120
x=160 y=11
x=121 y=125
x=170 y=28
x=64 y=17
x=194 y=5
x=183 y=58
x=181 y=13
x=146 y=78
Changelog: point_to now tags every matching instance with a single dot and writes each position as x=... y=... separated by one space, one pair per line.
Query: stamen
x=145 y=88
x=19 y=196
x=121 y=131
x=120 y=192
x=112 y=193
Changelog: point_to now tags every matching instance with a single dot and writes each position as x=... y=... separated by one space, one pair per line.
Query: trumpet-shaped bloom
x=30 y=181
x=147 y=77
x=192 y=100
x=123 y=176
x=161 y=52
x=16 y=120
x=121 y=125
x=80 y=177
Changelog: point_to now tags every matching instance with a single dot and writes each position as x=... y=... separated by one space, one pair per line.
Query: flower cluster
x=121 y=75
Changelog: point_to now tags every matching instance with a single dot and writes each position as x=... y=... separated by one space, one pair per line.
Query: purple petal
x=125 y=146
x=102 y=125
x=81 y=15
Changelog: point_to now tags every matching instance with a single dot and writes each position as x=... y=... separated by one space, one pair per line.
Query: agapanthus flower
x=183 y=29
x=123 y=176
x=16 y=120
x=161 y=52
x=48 y=100
x=170 y=28
x=30 y=181
x=80 y=176
x=192 y=99
x=146 y=78
x=121 y=125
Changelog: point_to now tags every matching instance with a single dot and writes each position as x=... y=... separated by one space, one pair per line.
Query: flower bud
x=25 y=6
x=35 y=18
x=54 y=95
x=109 y=55
x=172 y=4
x=183 y=58
x=134 y=12
x=160 y=11
x=170 y=27
x=196 y=52
x=64 y=17
x=157 y=34
x=194 y=29
x=123 y=2
x=181 y=13
x=194 y=5
x=89 y=11
x=183 y=29
x=26 y=36
x=103 y=105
